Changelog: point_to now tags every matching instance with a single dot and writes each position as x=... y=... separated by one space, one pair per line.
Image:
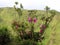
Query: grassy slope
x=52 y=33
x=8 y=15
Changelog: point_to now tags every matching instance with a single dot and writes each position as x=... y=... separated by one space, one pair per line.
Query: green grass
x=9 y=14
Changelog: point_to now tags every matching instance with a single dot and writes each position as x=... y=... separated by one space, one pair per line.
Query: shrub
x=28 y=42
x=4 y=36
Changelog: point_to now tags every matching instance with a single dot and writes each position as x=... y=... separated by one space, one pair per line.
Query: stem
x=32 y=29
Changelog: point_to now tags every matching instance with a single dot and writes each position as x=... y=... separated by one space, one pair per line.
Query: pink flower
x=34 y=20
x=42 y=26
x=30 y=19
x=41 y=31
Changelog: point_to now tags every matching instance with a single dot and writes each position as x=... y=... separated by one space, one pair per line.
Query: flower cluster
x=32 y=19
x=42 y=27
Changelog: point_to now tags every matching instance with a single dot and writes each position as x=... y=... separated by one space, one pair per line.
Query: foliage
x=4 y=36
x=10 y=14
x=21 y=6
x=16 y=3
x=28 y=42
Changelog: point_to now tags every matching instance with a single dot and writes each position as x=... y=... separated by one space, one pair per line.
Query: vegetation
x=29 y=27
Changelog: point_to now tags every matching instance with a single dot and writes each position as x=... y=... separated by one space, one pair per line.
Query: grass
x=9 y=14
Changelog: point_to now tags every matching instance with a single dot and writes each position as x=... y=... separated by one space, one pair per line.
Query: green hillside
x=51 y=34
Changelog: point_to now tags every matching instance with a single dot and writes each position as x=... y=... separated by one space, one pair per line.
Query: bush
x=28 y=42
x=4 y=36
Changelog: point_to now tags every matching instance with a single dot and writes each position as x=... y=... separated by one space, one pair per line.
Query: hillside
x=8 y=15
